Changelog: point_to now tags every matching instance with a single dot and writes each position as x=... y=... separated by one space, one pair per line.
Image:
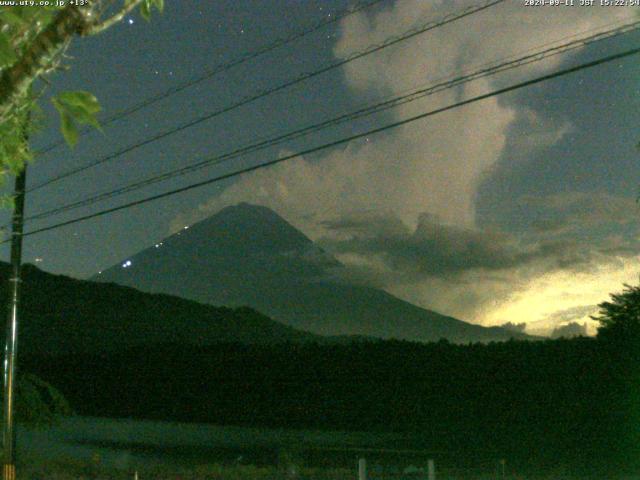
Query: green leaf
x=81 y=99
x=147 y=5
x=145 y=9
x=7 y=202
x=11 y=18
x=83 y=106
x=78 y=107
x=14 y=152
x=21 y=16
x=159 y=4
x=67 y=124
x=7 y=55
x=69 y=129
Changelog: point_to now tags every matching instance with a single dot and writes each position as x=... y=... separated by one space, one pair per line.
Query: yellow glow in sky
x=560 y=291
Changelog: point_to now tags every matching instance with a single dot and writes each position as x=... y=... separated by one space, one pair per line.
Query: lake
x=125 y=443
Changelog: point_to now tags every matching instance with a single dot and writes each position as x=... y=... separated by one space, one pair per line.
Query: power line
x=341 y=141
x=264 y=93
x=492 y=69
x=537 y=56
x=212 y=72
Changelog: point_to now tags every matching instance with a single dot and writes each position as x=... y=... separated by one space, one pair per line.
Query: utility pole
x=11 y=340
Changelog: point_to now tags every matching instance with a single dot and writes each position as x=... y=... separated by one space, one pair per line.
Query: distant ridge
x=249 y=255
x=62 y=315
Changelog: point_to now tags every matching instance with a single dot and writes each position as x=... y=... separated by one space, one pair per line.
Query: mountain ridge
x=60 y=314
x=249 y=255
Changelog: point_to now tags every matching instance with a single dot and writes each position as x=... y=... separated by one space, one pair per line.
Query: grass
x=73 y=469
x=78 y=470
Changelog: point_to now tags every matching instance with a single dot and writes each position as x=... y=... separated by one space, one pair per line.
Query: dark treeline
x=573 y=403
x=61 y=314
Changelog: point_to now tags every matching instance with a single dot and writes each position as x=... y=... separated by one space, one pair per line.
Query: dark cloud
x=548 y=225
x=434 y=249
x=570 y=330
x=598 y=227
x=573 y=313
x=515 y=327
x=580 y=209
x=366 y=224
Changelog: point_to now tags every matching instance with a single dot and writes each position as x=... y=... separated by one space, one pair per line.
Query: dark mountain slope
x=249 y=255
x=60 y=314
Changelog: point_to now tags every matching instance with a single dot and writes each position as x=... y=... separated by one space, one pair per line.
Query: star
x=130 y=21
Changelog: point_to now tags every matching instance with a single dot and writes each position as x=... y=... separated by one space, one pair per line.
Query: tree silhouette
x=620 y=318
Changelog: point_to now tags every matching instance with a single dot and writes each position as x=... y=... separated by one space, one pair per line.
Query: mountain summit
x=248 y=255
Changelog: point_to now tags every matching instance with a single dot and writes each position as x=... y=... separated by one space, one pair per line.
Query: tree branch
x=102 y=26
x=15 y=81
x=36 y=60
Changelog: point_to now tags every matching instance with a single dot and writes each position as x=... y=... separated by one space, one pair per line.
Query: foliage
x=65 y=315
x=76 y=107
x=620 y=318
x=70 y=469
x=32 y=45
x=38 y=402
x=20 y=26
x=538 y=404
x=147 y=6
x=33 y=41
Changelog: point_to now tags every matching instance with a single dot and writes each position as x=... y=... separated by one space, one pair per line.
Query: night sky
x=519 y=208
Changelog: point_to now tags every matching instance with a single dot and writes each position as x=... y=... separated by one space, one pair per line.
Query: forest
x=571 y=402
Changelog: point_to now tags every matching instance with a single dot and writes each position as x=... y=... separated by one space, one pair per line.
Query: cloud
x=573 y=211
x=605 y=228
x=461 y=44
x=399 y=210
x=604 y=224
x=492 y=277
x=482 y=276
x=435 y=249
x=432 y=165
x=548 y=300
x=573 y=313
x=515 y=327
x=531 y=130
x=570 y=330
x=365 y=223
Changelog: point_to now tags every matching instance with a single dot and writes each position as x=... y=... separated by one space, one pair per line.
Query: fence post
x=362 y=469
x=431 y=469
